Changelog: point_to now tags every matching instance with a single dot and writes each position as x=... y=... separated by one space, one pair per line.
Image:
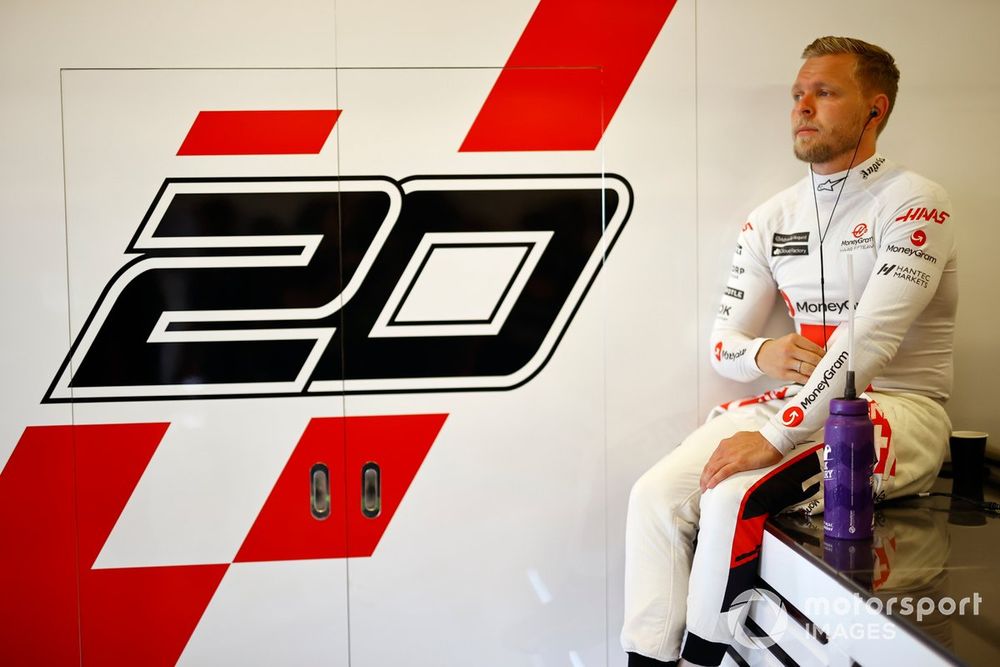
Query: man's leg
x=662 y=521
x=732 y=528
x=911 y=437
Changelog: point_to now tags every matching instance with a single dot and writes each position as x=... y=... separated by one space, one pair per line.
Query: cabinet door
x=204 y=280
x=473 y=371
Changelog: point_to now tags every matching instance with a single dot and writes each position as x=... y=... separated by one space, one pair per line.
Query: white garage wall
x=702 y=134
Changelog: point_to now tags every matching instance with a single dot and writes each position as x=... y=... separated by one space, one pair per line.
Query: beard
x=822 y=149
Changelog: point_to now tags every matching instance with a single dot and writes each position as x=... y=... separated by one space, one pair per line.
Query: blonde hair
x=875 y=68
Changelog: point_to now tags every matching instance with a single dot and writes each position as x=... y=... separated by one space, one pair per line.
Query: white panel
x=798 y=581
x=497 y=553
x=446 y=290
x=206 y=483
x=248 y=621
x=434 y=33
x=38 y=39
x=461 y=283
x=219 y=459
x=651 y=292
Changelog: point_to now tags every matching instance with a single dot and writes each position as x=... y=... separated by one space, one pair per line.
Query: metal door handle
x=319 y=491
x=371 y=490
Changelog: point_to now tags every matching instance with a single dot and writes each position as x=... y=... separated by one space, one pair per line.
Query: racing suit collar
x=863 y=171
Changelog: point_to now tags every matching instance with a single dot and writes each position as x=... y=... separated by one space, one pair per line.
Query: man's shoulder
x=774 y=208
x=901 y=185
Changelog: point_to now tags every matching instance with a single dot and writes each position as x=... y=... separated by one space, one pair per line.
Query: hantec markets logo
x=792 y=416
x=909 y=274
x=918 y=238
x=860 y=230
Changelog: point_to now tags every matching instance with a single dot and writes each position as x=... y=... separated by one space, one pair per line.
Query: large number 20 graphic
x=263 y=287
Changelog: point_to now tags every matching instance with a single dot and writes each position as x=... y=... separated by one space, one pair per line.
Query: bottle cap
x=844 y=406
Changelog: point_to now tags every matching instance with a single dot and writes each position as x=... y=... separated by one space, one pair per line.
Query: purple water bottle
x=849 y=457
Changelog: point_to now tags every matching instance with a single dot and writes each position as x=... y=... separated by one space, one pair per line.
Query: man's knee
x=726 y=498
x=658 y=493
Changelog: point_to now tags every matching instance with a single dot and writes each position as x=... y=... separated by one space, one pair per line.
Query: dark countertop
x=935 y=551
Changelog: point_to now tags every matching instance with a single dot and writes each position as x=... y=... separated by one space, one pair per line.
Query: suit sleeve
x=744 y=308
x=915 y=244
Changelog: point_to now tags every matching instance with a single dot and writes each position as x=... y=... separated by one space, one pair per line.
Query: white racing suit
x=896 y=226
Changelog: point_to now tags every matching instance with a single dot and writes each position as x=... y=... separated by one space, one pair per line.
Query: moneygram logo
x=718 y=351
x=918 y=238
x=739 y=613
x=807 y=307
x=793 y=416
x=860 y=230
x=912 y=252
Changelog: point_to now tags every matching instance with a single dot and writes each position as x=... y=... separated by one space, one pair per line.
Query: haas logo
x=792 y=416
x=264 y=286
x=860 y=230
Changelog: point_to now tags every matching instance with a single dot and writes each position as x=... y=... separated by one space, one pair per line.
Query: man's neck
x=843 y=161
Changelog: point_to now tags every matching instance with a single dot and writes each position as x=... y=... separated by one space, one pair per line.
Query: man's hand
x=792 y=357
x=746 y=450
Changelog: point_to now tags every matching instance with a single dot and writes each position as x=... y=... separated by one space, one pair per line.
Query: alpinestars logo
x=433 y=283
x=829 y=184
